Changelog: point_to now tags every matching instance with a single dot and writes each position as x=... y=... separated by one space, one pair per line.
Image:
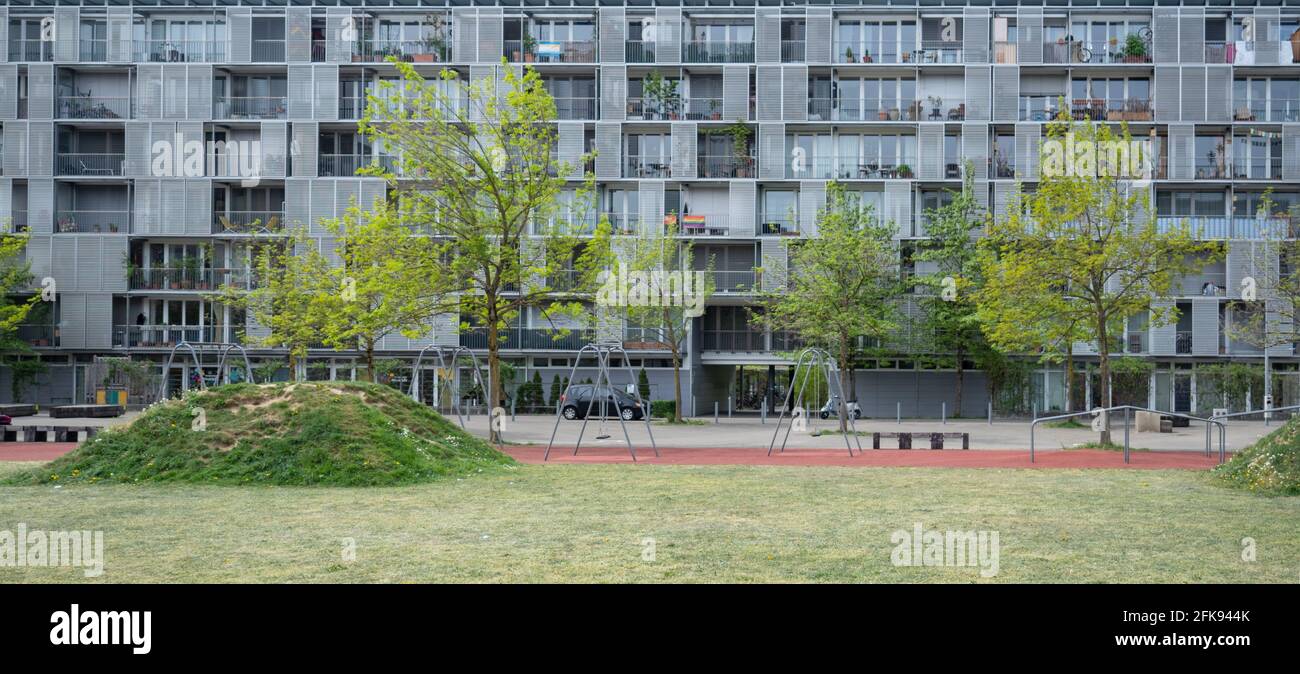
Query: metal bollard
x=512 y=409
x=728 y=407
x=990 y=413
x=943 y=412
x=1126 y=413
x=762 y=414
x=715 y=411
x=898 y=413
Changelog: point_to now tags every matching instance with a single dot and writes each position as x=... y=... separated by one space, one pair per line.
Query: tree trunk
x=494 y=374
x=1069 y=378
x=293 y=366
x=370 y=361
x=677 y=388
x=1103 y=386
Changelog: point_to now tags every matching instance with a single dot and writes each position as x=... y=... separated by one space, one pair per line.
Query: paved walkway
x=926 y=458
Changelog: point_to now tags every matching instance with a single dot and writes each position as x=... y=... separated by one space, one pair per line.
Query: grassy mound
x=1270 y=466
x=331 y=433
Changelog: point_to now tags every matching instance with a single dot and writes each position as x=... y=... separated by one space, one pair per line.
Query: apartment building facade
x=732 y=115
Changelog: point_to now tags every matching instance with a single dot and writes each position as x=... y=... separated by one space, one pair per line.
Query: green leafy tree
x=949 y=304
x=843 y=285
x=15 y=309
x=663 y=292
x=484 y=183
x=1082 y=253
x=282 y=297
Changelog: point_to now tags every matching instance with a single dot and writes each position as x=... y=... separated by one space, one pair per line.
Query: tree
x=656 y=288
x=284 y=286
x=15 y=280
x=1084 y=251
x=481 y=180
x=843 y=284
x=949 y=306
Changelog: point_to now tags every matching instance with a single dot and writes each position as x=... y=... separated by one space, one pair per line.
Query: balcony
x=701 y=224
x=516 y=338
x=410 y=51
x=1276 y=110
x=26 y=49
x=793 y=51
x=1183 y=342
x=938 y=109
x=857 y=168
x=811 y=168
x=646 y=167
x=704 y=109
x=1038 y=108
x=726 y=166
x=180 y=51
x=318 y=51
x=719 y=51
x=351 y=107
x=1203 y=227
x=738 y=282
x=1095 y=52
x=16 y=223
x=250 y=107
x=939 y=51
x=40 y=336
x=879 y=109
x=163 y=336
x=248 y=222
x=94 y=107
x=1261 y=169
x=175 y=278
x=733 y=340
x=874 y=52
x=575 y=108
x=1212 y=168
x=621 y=223
x=268 y=51
x=1203 y=284
x=639 y=51
x=1116 y=110
x=778 y=226
x=640 y=108
x=1002 y=167
x=93 y=222
x=93 y=164
x=93 y=50
x=1220 y=52
x=550 y=51
x=1004 y=52
x=344 y=165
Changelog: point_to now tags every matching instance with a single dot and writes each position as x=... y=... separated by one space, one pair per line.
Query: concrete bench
x=47 y=433
x=84 y=411
x=18 y=410
x=905 y=439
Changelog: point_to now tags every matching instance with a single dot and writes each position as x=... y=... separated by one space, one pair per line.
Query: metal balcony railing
x=250 y=107
x=550 y=51
x=93 y=222
x=351 y=107
x=639 y=51
x=430 y=50
x=93 y=50
x=873 y=52
x=872 y=168
x=1212 y=168
x=1204 y=227
x=175 y=278
x=343 y=165
x=1219 y=52
x=939 y=51
x=94 y=107
x=268 y=51
x=778 y=226
x=1275 y=110
x=1203 y=284
x=248 y=222
x=1004 y=52
x=180 y=51
x=738 y=281
x=654 y=108
x=704 y=108
x=27 y=49
x=90 y=164
x=943 y=110
x=635 y=166
x=621 y=223
x=516 y=338
x=575 y=108
x=878 y=109
x=1039 y=108
x=733 y=340
x=701 y=224
x=726 y=166
x=1263 y=169
x=318 y=51
x=1002 y=167
x=15 y=223
x=163 y=336
x=39 y=335
x=719 y=51
x=1183 y=342
x=1111 y=110
x=793 y=51
x=810 y=168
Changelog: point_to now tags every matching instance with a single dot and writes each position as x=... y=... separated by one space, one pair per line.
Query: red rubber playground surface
x=34 y=451
x=920 y=458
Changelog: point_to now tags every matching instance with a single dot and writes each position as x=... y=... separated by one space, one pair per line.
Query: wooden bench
x=905 y=439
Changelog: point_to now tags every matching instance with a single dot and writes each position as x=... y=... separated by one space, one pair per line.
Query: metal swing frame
x=809 y=358
x=456 y=352
x=602 y=351
x=225 y=349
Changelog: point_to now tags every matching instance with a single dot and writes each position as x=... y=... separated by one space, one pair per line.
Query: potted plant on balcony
x=904 y=171
x=848 y=55
x=1135 y=49
x=740 y=134
x=714 y=113
x=435 y=39
x=530 y=48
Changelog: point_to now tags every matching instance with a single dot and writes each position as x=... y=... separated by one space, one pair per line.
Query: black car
x=577 y=400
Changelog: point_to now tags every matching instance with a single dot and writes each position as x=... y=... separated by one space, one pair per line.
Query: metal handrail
x=1127 y=408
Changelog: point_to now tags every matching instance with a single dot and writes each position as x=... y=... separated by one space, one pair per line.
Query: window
x=878 y=99
x=875 y=41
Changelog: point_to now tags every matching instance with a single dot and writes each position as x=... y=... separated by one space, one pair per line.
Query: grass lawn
x=709 y=523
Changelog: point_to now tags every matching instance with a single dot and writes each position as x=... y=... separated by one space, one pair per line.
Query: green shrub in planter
x=663 y=409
